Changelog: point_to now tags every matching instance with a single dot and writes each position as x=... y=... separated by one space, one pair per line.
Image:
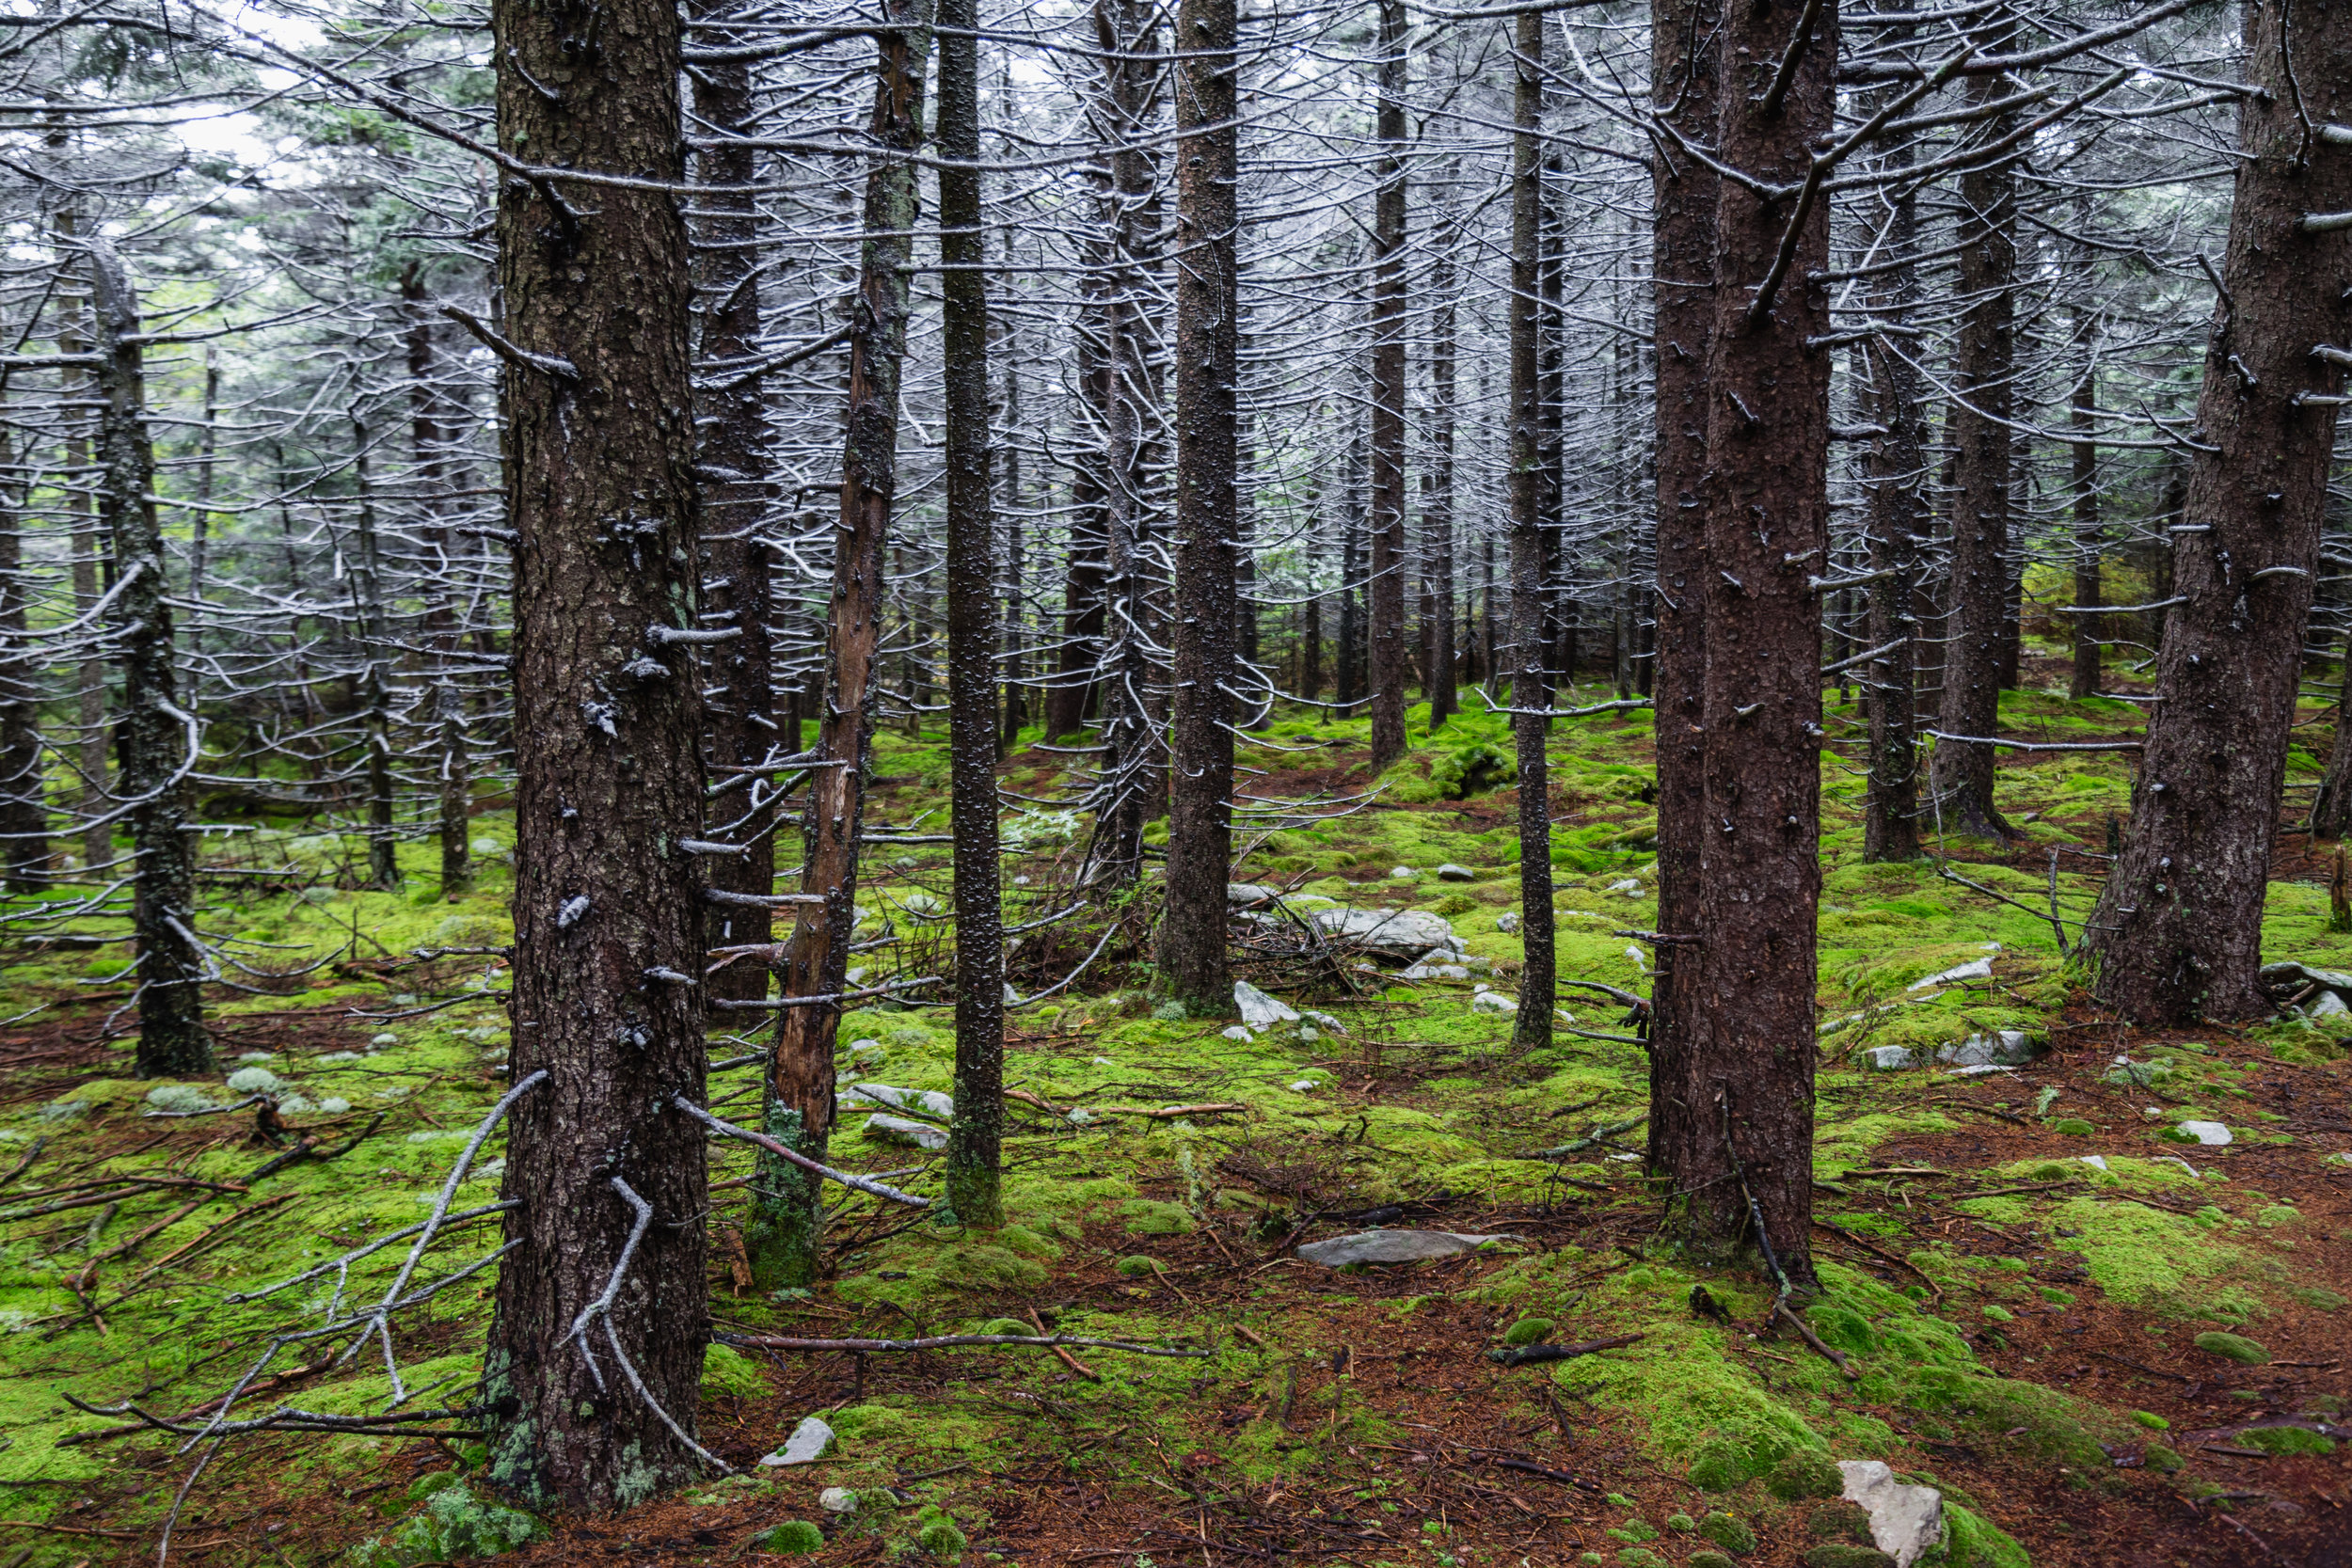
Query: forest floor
x=2018 y=1266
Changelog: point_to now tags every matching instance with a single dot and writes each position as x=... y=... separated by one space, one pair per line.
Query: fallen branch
x=1815 y=1340
x=952 y=1341
x=1529 y=1355
x=1597 y=1135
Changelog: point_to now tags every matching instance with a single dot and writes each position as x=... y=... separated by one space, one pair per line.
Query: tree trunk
x=1743 y=1165
x=1685 y=84
x=1531 y=685
x=2083 y=415
x=1557 y=635
x=429 y=442
x=1346 y=692
x=798 y=1107
x=2332 y=808
x=2178 y=931
x=201 y=518
x=1437 y=517
x=375 y=684
x=23 y=808
x=731 y=421
x=1387 y=588
x=1981 y=595
x=1017 y=563
x=976 y=1133
x=600 y=490
x=1898 y=516
x=1191 y=953
x=154 y=736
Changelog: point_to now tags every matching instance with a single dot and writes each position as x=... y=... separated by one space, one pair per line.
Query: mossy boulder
x=2286 y=1441
x=2072 y=1127
x=1804 y=1473
x=2233 y=1347
x=1140 y=1267
x=1709 y=1560
x=1842 y=1556
x=1527 y=1331
x=1729 y=1532
x=791 y=1537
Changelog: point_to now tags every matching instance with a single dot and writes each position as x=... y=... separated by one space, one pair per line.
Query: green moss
x=1635 y=1530
x=2072 y=1127
x=2233 y=1347
x=1839 y=1519
x=1804 y=1473
x=791 y=1537
x=1150 y=1217
x=1729 y=1531
x=2285 y=1441
x=1140 y=1267
x=1971 y=1541
x=1704 y=1559
x=2150 y=1419
x=1840 y=1556
x=727 y=1370
x=453 y=1524
x=1527 y=1331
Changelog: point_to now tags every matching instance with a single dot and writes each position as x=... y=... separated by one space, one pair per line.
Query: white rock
x=1626 y=885
x=1889 y=1058
x=1250 y=893
x=384 y=1041
x=866 y=1048
x=2008 y=1047
x=806 y=1446
x=1012 y=997
x=1635 y=954
x=341 y=1056
x=929 y=1100
x=1492 y=1002
x=1433 y=971
x=856 y=976
x=1258 y=1010
x=1393 y=1246
x=1020 y=881
x=2096 y=1162
x=837 y=1499
x=1449 y=872
x=1975 y=969
x=1403 y=874
x=898 y=1129
x=1305 y=1085
x=334 y=1105
x=1105 y=1061
x=1324 y=1021
x=487 y=847
x=1402 y=932
x=2210 y=1134
x=1238 y=1033
x=1978 y=1072
x=1906 y=1522
x=1507 y=922
x=2186 y=1167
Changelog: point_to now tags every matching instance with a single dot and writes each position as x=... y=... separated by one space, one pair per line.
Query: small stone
x=1507 y=922
x=1251 y=893
x=807 y=1445
x=837 y=1499
x=1020 y=881
x=334 y=1105
x=1012 y=997
x=1238 y=1033
x=1403 y=874
x=1906 y=1522
x=1324 y=1021
x=866 y=1048
x=1492 y=1002
x=2096 y=1162
x=2234 y=1347
x=1305 y=1085
x=1889 y=1058
x=1449 y=872
x=2329 y=1005
x=1393 y=1246
x=898 y=1129
x=1258 y=1010
x=2210 y=1134
x=2007 y=1048
x=384 y=1041
x=1975 y=969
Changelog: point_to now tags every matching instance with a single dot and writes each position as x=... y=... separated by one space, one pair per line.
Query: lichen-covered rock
x=1906 y=1521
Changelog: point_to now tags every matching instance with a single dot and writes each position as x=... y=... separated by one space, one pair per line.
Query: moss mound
x=2233 y=1347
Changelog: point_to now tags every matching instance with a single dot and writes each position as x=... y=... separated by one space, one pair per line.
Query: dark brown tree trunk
x=1388 y=626
x=429 y=442
x=1742 y=1173
x=731 y=419
x=976 y=1133
x=2177 y=930
x=1437 y=517
x=1898 y=518
x=2083 y=415
x=1531 y=685
x=1685 y=74
x=797 y=1109
x=608 y=933
x=1980 y=594
x=155 y=737
x=1191 y=953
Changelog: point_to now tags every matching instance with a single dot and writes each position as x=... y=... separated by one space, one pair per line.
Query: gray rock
x=898 y=1129
x=1449 y=872
x=1258 y=1010
x=930 y=1101
x=1889 y=1058
x=1975 y=969
x=1238 y=1033
x=1248 y=892
x=1426 y=971
x=807 y=1445
x=2285 y=981
x=1392 y=933
x=1492 y=1002
x=837 y=1499
x=1906 y=1522
x=1324 y=1021
x=1403 y=874
x=1393 y=1246
x=2008 y=1048
x=1507 y=922
x=2210 y=1134
x=2329 y=1005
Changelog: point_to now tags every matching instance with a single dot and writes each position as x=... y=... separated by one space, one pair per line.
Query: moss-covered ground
x=2023 y=1273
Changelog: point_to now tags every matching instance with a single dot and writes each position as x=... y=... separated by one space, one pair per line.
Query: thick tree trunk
x=1980 y=593
x=155 y=737
x=1742 y=1167
x=1191 y=952
x=609 y=930
x=731 y=421
x=798 y=1107
x=1531 y=685
x=2082 y=416
x=429 y=440
x=1387 y=587
x=976 y=1133
x=2177 y=930
x=1685 y=74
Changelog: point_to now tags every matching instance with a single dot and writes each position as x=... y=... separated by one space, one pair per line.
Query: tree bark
x=976 y=1132
x=798 y=1107
x=1388 y=624
x=600 y=490
x=1685 y=77
x=1191 y=951
x=375 y=684
x=1743 y=1165
x=2178 y=931
x=429 y=442
x=1437 y=517
x=1530 y=684
x=1980 y=593
x=23 y=808
x=153 y=736
x=2331 y=807
x=2082 y=414
x=1898 y=518
x=731 y=421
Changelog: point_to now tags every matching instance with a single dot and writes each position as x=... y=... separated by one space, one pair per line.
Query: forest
x=1041 y=781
